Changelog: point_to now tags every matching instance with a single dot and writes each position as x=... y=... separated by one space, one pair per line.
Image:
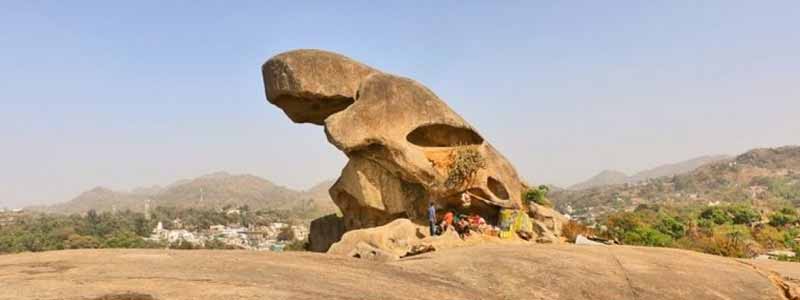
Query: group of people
x=461 y=223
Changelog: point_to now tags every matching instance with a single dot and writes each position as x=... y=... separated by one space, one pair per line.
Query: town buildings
x=250 y=238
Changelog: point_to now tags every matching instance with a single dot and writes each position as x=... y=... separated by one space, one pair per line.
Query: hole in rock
x=443 y=135
x=497 y=188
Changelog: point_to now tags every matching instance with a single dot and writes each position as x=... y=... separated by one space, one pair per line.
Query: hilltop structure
x=405 y=146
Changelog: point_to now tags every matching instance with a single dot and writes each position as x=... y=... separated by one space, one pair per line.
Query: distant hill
x=99 y=199
x=213 y=191
x=676 y=168
x=148 y=191
x=222 y=189
x=760 y=176
x=611 y=177
x=320 y=197
x=606 y=177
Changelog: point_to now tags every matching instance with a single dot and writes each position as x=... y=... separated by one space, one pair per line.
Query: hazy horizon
x=137 y=94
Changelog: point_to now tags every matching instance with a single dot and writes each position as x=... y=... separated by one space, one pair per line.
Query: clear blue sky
x=131 y=93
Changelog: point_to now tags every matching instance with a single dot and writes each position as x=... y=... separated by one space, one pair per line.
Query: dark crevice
x=372 y=151
x=126 y=296
x=311 y=109
x=375 y=153
x=488 y=211
x=443 y=135
x=625 y=274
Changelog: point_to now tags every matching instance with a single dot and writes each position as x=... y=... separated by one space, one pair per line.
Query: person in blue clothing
x=432 y=218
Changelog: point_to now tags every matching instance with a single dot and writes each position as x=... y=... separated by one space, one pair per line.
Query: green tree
x=632 y=229
x=790 y=236
x=646 y=237
x=9 y=242
x=671 y=226
x=620 y=223
x=77 y=241
x=744 y=214
x=717 y=215
x=244 y=215
x=124 y=239
x=538 y=195
x=93 y=221
x=141 y=226
x=783 y=217
x=729 y=240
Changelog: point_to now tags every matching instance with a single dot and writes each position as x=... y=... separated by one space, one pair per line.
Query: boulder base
x=325 y=231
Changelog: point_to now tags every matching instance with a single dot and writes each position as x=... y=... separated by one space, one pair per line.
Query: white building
x=173 y=236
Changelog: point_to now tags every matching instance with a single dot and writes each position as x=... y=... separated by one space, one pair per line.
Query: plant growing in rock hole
x=466 y=162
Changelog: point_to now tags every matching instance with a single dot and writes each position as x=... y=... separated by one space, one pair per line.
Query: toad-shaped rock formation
x=405 y=146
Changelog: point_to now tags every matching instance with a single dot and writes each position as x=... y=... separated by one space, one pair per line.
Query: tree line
x=736 y=230
x=42 y=232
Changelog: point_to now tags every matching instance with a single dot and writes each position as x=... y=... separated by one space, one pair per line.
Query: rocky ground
x=479 y=272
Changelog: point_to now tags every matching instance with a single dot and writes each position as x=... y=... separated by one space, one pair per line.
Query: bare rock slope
x=527 y=271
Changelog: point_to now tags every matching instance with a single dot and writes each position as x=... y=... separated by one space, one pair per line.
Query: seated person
x=462 y=227
x=447 y=221
x=476 y=222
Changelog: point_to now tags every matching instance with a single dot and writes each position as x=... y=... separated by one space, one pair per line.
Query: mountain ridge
x=613 y=177
x=210 y=191
x=765 y=177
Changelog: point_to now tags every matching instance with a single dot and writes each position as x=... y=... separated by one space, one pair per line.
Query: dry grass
x=572 y=229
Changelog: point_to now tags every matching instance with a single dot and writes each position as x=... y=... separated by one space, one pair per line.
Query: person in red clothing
x=447 y=221
x=476 y=222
